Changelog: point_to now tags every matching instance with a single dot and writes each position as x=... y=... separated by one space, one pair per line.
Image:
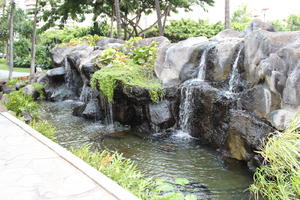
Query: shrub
x=182 y=29
x=19 y=102
x=45 y=128
x=133 y=68
x=279 y=178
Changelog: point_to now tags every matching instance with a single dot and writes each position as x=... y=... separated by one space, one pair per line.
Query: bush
x=182 y=29
x=45 y=128
x=19 y=102
x=279 y=178
x=133 y=68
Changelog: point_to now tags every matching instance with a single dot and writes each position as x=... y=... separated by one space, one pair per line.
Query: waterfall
x=69 y=74
x=235 y=76
x=108 y=110
x=202 y=66
x=268 y=100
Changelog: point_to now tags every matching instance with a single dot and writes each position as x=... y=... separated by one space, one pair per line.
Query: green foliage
x=89 y=39
x=40 y=89
x=182 y=181
x=241 y=18
x=135 y=68
x=45 y=128
x=182 y=29
x=280 y=177
x=121 y=170
x=2 y=61
x=15 y=81
x=19 y=102
x=292 y=23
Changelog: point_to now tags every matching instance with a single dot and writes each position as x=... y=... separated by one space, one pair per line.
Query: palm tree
x=227 y=14
x=118 y=15
x=33 y=46
x=158 y=12
x=11 y=38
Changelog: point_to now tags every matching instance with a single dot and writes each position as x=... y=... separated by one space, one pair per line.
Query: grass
x=279 y=178
x=5 y=67
x=45 y=128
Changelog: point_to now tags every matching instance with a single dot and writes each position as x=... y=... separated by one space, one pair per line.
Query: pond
x=167 y=158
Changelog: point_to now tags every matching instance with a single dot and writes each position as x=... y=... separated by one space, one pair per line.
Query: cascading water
x=202 y=66
x=235 y=76
x=185 y=108
x=69 y=75
x=108 y=113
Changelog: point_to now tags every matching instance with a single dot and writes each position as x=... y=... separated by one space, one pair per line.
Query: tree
x=158 y=12
x=293 y=22
x=131 y=11
x=11 y=38
x=227 y=14
x=118 y=16
x=33 y=44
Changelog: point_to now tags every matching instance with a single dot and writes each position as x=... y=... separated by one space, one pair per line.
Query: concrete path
x=4 y=74
x=30 y=169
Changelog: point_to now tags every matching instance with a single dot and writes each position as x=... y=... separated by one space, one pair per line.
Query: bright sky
x=278 y=9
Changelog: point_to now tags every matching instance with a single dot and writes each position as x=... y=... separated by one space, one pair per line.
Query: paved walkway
x=31 y=170
x=4 y=74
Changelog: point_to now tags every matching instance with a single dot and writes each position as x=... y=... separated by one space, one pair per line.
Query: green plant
x=126 y=173
x=40 y=89
x=19 y=102
x=45 y=128
x=121 y=170
x=2 y=61
x=133 y=68
x=279 y=178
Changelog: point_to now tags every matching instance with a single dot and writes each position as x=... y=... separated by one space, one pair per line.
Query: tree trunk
x=118 y=15
x=158 y=12
x=227 y=14
x=11 y=39
x=33 y=46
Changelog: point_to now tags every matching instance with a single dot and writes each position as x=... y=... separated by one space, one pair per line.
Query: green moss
x=130 y=67
x=279 y=178
x=128 y=74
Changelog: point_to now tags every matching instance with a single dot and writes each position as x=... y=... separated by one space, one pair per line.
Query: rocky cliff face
x=231 y=90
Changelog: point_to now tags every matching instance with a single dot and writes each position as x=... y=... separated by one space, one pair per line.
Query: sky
x=277 y=9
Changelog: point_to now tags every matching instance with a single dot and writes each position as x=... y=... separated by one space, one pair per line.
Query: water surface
x=169 y=158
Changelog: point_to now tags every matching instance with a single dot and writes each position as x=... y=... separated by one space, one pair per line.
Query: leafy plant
x=279 y=178
x=45 y=128
x=19 y=102
x=129 y=69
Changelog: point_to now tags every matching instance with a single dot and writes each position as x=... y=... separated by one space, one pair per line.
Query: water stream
x=167 y=158
x=235 y=75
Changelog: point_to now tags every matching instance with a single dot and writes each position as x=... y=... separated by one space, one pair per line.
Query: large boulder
x=281 y=119
x=176 y=57
x=161 y=114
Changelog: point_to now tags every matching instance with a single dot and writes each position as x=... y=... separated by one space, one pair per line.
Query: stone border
x=100 y=179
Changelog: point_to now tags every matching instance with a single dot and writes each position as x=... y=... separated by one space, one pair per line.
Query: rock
x=148 y=41
x=78 y=109
x=59 y=71
x=108 y=42
x=30 y=90
x=89 y=69
x=2 y=107
x=259 y=100
x=20 y=86
x=245 y=134
x=161 y=115
x=58 y=54
x=257 y=25
x=60 y=93
x=92 y=110
x=175 y=58
x=291 y=92
x=281 y=119
x=226 y=34
x=27 y=117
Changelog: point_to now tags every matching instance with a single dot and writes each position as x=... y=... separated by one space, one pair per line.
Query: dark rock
x=30 y=90
x=89 y=69
x=27 y=117
x=20 y=86
x=245 y=134
x=161 y=115
x=92 y=110
x=78 y=109
x=259 y=100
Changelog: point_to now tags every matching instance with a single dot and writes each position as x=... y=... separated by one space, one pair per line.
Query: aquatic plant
x=279 y=178
x=45 y=128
